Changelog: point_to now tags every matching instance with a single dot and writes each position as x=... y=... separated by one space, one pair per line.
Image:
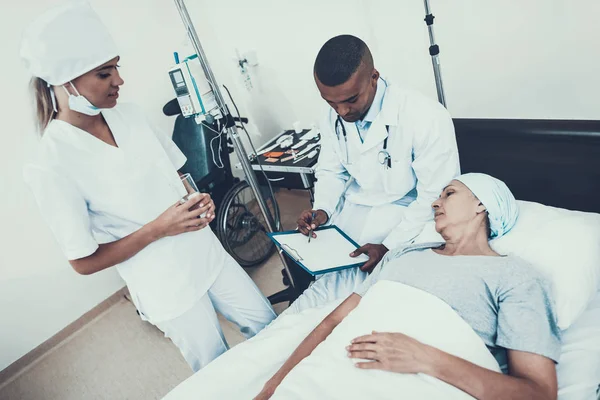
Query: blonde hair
x=44 y=110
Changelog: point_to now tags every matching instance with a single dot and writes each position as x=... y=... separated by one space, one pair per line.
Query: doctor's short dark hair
x=339 y=58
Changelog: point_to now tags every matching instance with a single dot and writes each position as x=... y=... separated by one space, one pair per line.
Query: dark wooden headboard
x=554 y=162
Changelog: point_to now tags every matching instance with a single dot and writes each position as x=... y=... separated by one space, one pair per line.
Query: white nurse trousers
x=197 y=332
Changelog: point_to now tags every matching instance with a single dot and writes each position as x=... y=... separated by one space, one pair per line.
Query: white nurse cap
x=66 y=42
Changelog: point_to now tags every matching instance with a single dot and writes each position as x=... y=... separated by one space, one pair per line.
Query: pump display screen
x=178 y=76
x=178 y=82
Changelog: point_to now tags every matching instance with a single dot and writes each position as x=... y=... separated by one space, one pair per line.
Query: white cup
x=297 y=127
x=192 y=190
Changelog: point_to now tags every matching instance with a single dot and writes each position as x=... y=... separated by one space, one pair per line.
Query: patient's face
x=456 y=206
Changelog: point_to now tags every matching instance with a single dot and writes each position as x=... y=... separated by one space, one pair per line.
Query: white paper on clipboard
x=329 y=251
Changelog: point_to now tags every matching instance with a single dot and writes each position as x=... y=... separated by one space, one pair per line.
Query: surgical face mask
x=80 y=104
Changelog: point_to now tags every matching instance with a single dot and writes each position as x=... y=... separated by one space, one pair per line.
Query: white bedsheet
x=579 y=365
x=328 y=373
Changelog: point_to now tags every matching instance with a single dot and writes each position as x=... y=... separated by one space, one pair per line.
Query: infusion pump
x=194 y=94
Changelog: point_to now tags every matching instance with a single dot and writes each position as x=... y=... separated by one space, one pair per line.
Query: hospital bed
x=556 y=163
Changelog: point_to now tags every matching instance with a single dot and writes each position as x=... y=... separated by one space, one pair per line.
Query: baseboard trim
x=17 y=368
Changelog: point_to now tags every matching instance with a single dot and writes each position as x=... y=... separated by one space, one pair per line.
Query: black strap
x=387 y=128
x=339 y=121
x=389 y=159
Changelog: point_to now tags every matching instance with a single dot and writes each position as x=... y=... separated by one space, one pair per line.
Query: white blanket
x=328 y=373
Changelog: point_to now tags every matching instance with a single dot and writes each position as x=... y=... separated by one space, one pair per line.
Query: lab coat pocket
x=399 y=178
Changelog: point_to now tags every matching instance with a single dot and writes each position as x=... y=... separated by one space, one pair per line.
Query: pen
x=310 y=231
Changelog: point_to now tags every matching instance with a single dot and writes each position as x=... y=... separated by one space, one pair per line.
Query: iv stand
x=434 y=52
x=231 y=128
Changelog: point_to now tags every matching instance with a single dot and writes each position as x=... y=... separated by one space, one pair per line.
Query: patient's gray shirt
x=506 y=302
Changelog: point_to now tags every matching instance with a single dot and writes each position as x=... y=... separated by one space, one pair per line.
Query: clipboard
x=329 y=252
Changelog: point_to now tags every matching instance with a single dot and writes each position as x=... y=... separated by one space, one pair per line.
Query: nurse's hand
x=375 y=253
x=180 y=218
x=307 y=223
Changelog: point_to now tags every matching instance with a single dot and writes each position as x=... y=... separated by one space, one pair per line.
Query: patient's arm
x=531 y=376
x=318 y=335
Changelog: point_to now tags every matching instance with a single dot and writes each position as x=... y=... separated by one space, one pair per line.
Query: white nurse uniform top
x=92 y=193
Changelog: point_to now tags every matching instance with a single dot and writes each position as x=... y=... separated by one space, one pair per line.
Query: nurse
x=386 y=154
x=107 y=185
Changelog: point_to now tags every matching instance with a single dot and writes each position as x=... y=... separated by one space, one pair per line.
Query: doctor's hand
x=375 y=253
x=180 y=218
x=393 y=352
x=306 y=221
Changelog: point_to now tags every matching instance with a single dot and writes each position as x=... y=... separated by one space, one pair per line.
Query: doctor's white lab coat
x=424 y=155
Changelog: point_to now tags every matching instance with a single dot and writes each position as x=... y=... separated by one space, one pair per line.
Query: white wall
x=509 y=59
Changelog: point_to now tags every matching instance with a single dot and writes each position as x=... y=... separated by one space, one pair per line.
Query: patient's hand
x=393 y=352
x=267 y=390
x=375 y=253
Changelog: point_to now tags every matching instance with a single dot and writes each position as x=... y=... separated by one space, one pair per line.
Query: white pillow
x=562 y=244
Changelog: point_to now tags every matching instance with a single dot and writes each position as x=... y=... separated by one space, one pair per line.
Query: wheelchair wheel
x=242 y=228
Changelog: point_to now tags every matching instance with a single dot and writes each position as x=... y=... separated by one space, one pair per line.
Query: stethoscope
x=384 y=157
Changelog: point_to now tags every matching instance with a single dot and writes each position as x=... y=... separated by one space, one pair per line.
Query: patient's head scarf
x=497 y=198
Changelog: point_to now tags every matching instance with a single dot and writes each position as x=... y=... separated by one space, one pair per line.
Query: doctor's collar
x=376 y=105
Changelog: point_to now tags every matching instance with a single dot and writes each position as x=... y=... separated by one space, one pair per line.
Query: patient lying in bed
x=506 y=303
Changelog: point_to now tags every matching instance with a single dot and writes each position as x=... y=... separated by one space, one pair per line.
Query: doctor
x=386 y=155
x=107 y=185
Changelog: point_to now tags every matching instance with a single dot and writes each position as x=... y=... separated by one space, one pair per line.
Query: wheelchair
x=239 y=223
